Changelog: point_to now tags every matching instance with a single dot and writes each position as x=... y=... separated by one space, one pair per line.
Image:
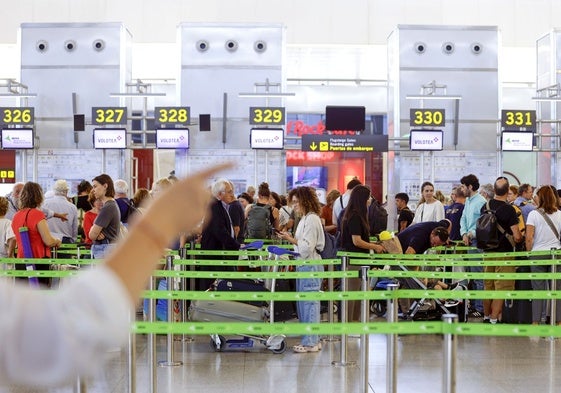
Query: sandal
x=304 y=349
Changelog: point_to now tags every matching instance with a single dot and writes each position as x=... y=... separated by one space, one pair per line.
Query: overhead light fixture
x=136 y=95
x=265 y=95
x=432 y=97
x=17 y=95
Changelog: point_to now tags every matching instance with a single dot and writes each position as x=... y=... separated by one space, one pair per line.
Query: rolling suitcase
x=224 y=311
x=519 y=310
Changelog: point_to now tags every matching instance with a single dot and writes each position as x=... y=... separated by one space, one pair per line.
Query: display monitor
x=17 y=138
x=351 y=118
x=172 y=138
x=426 y=140
x=312 y=176
x=267 y=138
x=110 y=138
x=204 y=122
x=517 y=141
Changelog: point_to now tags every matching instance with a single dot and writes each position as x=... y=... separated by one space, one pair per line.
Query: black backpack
x=488 y=230
x=377 y=218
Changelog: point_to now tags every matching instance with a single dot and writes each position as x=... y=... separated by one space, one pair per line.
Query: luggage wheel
x=217 y=342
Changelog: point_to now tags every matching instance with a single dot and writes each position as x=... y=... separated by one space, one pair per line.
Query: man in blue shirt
x=454 y=211
x=472 y=211
x=525 y=200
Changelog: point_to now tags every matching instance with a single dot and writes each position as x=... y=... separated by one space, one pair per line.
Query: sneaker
x=475 y=314
x=451 y=303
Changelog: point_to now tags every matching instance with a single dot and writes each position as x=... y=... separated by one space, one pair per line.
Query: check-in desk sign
x=341 y=143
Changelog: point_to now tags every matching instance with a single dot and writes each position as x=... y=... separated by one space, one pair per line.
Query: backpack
x=259 y=222
x=487 y=229
x=330 y=248
x=377 y=218
x=338 y=236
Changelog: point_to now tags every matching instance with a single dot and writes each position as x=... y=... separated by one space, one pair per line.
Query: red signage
x=299 y=128
x=304 y=156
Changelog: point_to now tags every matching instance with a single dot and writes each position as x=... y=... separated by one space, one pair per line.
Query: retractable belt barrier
x=337 y=328
x=448 y=327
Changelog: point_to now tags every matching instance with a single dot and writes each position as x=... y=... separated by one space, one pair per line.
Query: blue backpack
x=330 y=249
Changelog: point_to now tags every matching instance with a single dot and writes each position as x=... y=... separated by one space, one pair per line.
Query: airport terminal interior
x=393 y=93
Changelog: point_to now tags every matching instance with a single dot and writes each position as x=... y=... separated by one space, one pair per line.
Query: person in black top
x=418 y=238
x=355 y=232
x=355 y=237
x=218 y=230
x=405 y=215
x=508 y=220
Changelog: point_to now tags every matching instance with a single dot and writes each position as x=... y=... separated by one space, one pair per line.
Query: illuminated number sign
x=513 y=120
x=266 y=115
x=105 y=115
x=7 y=175
x=426 y=117
x=10 y=115
x=172 y=115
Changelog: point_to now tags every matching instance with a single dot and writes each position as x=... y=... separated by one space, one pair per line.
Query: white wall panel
x=308 y=22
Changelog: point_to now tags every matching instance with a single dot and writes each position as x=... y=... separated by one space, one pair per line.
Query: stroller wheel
x=219 y=344
x=281 y=348
x=378 y=308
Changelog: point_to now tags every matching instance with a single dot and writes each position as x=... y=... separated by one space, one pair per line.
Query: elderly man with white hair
x=122 y=199
x=67 y=230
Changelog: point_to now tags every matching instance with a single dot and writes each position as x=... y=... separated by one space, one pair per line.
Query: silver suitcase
x=224 y=311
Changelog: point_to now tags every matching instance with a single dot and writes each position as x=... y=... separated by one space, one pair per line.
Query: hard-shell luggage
x=224 y=311
x=284 y=310
x=519 y=310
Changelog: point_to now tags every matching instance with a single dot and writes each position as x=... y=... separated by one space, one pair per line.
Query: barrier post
x=152 y=340
x=170 y=361
x=343 y=353
x=553 y=301
x=80 y=386
x=192 y=267
x=132 y=358
x=330 y=303
x=184 y=287
x=391 y=348
x=364 y=318
x=449 y=356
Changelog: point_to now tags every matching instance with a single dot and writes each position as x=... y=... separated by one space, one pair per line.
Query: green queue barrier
x=335 y=328
x=265 y=328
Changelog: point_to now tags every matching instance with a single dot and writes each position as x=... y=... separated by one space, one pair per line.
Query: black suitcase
x=519 y=311
x=284 y=310
x=241 y=286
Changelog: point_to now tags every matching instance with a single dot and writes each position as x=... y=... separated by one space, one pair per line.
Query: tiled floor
x=484 y=364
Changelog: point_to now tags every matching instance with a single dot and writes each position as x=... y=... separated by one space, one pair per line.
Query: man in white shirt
x=67 y=230
x=341 y=202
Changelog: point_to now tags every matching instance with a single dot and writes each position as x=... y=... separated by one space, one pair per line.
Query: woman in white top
x=50 y=340
x=541 y=236
x=308 y=241
x=429 y=208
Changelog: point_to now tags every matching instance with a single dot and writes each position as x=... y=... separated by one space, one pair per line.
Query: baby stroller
x=379 y=307
x=419 y=309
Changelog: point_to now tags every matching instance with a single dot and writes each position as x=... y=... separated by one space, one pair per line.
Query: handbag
x=392 y=245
